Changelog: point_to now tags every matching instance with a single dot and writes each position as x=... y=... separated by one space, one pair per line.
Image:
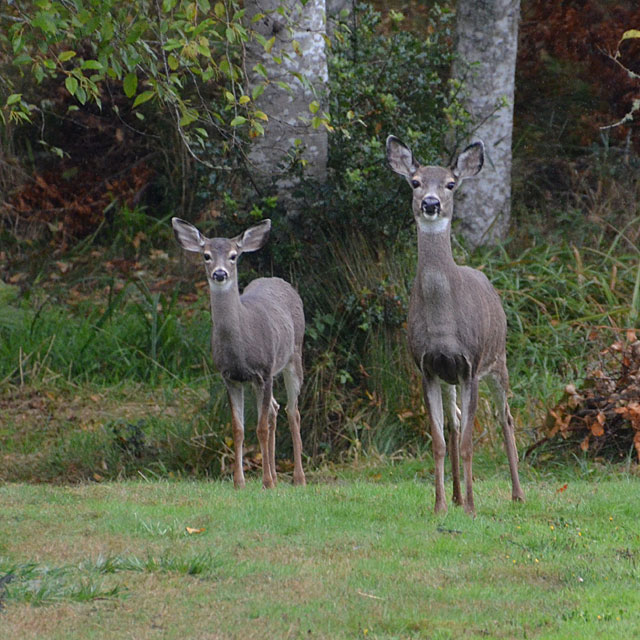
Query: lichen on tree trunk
x=487 y=42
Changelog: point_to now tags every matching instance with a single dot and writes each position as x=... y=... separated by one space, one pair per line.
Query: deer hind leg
x=236 y=400
x=273 y=419
x=453 y=418
x=293 y=382
x=264 y=397
x=499 y=385
x=433 y=399
x=469 y=402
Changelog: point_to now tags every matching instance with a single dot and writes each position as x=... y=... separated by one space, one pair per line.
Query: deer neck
x=434 y=289
x=434 y=253
x=226 y=313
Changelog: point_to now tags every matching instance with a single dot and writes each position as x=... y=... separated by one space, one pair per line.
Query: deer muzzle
x=219 y=275
x=430 y=206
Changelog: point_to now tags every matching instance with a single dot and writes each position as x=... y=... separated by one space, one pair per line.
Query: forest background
x=104 y=324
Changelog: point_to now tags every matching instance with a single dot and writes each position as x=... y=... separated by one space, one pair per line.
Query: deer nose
x=219 y=275
x=430 y=205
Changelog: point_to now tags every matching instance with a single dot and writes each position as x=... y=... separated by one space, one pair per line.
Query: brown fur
x=456 y=325
x=255 y=336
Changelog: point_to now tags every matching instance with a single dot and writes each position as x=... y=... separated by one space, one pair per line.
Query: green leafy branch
x=174 y=53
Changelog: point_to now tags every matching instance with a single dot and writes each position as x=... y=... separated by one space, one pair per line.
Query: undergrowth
x=100 y=348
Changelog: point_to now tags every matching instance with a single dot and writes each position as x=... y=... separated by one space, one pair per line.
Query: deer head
x=433 y=187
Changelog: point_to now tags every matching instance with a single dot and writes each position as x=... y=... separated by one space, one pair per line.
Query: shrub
x=380 y=84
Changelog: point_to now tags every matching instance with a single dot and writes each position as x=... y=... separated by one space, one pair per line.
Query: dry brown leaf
x=192 y=531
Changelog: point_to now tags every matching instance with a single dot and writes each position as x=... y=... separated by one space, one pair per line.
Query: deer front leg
x=236 y=400
x=449 y=393
x=433 y=399
x=469 y=402
x=263 y=398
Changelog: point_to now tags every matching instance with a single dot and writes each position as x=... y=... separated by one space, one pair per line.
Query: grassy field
x=356 y=554
x=105 y=376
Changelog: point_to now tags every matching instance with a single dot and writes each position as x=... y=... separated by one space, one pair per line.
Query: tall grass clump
x=359 y=369
x=129 y=334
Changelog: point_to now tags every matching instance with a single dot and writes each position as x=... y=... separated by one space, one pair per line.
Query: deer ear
x=470 y=161
x=254 y=238
x=400 y=158
x=187 y=235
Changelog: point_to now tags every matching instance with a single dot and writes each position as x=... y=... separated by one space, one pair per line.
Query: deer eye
x=415 y=183
x=232 y=256
x=450 y=185
x=207 y=257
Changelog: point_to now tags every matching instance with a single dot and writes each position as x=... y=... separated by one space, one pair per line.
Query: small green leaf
x=230 y=34
x=130 y=84
x=173 y=62
x=219 y=10
x=284 y=85
x=257 y=91
x=226 y=68
x=71 y=84
x=260 y=70
x=237 y=121
x=261 y=114
x=314 y=106
x=244 y=99
x=38 y=73
x=631 y=33
x=66 y=55
x=92 y=64
x=188 y=117
x=81 y=95
x=23 y=58
x=142 y=98
x=204 y=50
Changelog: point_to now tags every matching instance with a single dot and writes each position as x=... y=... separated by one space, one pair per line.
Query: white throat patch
x=219 y=287
x=438 y=225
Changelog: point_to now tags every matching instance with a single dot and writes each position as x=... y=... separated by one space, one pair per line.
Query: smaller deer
x=456 y=325
x=255 y=336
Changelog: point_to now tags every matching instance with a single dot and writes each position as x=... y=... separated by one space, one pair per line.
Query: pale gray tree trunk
x=289 y=126
x=487 y=39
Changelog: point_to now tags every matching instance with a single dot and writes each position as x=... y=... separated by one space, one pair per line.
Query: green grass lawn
x=352 y=555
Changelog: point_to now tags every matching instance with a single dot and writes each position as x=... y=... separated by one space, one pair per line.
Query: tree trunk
x=289 y=125
x=487 y=39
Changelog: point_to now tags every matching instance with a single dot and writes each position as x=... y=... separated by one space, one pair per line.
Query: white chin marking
x=216 y=285
x=433 y=224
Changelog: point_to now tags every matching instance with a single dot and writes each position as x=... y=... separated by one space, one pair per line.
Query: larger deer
x=255 y=336
x=456 y=324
